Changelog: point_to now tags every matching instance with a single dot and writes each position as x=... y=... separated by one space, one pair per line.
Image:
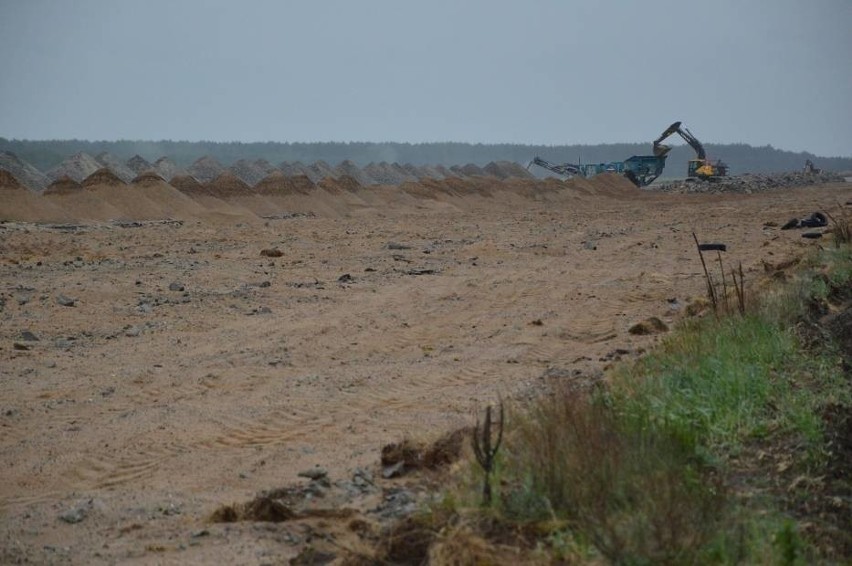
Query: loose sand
x=193 y=372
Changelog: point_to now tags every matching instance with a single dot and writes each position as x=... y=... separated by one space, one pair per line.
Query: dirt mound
x=78 y=167
x=279 y=184
x=350 y=169
x=294 y=168
x=9 y=181
x=468 y=170
x=147 y=179
x=342 y=183
x=507 y=170
x=188 y=184
x=247 y=171
x=111 y=162
x=26 y=174
x=386 y=174
x=302 y=184
x=445 y=171
x=227 y=184
x=265 y=166
x=139 y=164
x=431 y=172
x=205 y=169
x=167 y=169
x=103 y=176
x=62 y=186
x=320 y=170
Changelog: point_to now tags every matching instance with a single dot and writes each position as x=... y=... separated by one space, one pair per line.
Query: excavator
x=700 y=167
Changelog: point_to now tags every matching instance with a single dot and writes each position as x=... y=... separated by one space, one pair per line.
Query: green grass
x=641 y=471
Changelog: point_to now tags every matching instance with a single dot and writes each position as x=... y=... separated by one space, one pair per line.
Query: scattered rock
x=317 y=473
x=271 y=252
x=175 y=286
x=65 y=301
x=345 y=278
x=397 y=246
x=28 y=336
x=21 y=347
x=76 y=513
x=651 y=325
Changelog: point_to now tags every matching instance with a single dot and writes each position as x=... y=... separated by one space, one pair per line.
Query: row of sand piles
x=104 y=197
x=207 y=169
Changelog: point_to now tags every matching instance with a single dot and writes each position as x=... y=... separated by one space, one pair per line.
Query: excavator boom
x=698 y=167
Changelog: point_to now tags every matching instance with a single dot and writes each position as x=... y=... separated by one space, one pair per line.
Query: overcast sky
x=762 y=72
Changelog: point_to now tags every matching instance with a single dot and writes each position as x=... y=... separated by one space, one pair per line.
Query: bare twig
x=485 y=451
x=711 y=290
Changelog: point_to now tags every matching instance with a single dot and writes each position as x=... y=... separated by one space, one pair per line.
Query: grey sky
x=543 y=71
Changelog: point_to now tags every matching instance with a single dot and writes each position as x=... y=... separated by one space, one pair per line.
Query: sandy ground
x=191 y=371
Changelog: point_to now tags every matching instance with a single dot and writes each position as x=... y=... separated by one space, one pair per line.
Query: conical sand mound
x=26 y=174
x=276 y=184
x=205 y=169
x=167 y=169
x=62 y=186
x=120 y=170
x=188 y=184
x=78 y=167
x=9 y=181
x=103 y=176
x=147 y=178
x=228 y=185
x=139 y=164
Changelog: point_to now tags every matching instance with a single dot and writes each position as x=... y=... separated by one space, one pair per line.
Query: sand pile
x=294 y=168
x=121 y=170
x=62 y=186
x=103 y=176
x=9 y=181
x=188 y=184
x=18 y=203
x=139 y=164
x=507 y=170
x=205 y=169
x=275 y=183
x=227 y=184
x=302 y=184
x=384 y=174
x=167 y=169
x=279 y=184
x=78 y=167
x=348 y=183
x=26 y=174
x=431 y=172
x=350 y=169
x=147 y=179
x=249 y=172
x=320 y=170
x=468 y=170
x=445 y=171
x=265 y=166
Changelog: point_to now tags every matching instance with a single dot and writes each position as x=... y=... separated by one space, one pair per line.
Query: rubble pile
x=749 y=183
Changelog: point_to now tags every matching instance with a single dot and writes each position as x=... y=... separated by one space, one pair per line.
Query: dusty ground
x=191 y=371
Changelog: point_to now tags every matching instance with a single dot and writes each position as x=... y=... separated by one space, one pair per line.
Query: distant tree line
x=741 y=158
